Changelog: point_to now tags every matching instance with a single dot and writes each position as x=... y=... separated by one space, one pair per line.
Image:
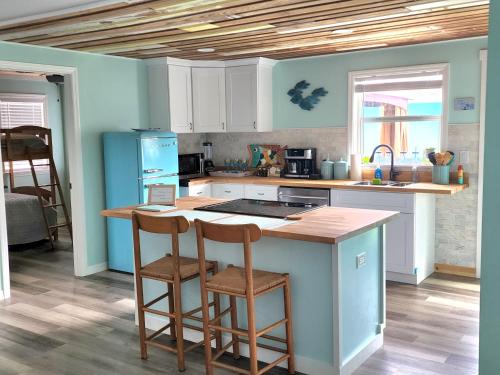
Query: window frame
x=26 y=97
x=354 y=130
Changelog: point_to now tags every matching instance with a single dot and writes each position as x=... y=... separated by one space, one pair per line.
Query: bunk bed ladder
x=55 y=190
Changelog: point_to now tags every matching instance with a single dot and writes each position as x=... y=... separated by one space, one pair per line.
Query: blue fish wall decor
x=309 y=101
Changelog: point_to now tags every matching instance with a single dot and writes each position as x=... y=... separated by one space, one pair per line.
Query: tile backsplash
x=331 y=141
x=455 y=215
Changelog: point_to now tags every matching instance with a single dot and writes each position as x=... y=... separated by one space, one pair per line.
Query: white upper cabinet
x=211 y=96
x=241 y=89
x=209 y=99
x=170 y=96
x=181 y=100
x=249 y=96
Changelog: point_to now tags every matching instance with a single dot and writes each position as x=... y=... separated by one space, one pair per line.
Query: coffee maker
x=300 y=163
x=208 y=164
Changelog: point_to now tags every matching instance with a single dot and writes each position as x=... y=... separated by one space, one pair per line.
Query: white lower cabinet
x=410 y=238
x=228 y=191
x=204 y=190
x=264 y=192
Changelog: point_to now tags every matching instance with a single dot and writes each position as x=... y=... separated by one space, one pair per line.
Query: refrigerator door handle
x=154 y=170
x=163 y=175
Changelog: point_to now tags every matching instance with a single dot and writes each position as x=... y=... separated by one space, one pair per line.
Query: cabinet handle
x=222 y=126
x=260 y=193
x=190 y=126
x=227 y=191
x=198 y=192
x=254 y=125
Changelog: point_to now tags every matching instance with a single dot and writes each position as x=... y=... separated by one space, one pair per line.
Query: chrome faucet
x=393 y=173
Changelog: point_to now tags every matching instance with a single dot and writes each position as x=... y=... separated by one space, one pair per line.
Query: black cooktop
x=256 y=207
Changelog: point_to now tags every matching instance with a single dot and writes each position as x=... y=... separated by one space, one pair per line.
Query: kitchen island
x=335 y=258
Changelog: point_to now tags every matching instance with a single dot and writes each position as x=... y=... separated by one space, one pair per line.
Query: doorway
x=72 y=140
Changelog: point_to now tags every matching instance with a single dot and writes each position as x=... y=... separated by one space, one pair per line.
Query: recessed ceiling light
x=343 y=31
x=206 y=50
x=445 y=4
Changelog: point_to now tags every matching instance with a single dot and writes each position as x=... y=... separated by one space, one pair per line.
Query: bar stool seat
x=164 y=268
x=233 y=280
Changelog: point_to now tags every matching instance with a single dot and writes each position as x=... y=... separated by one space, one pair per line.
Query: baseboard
x=452 y=269
x=401 y=277
x=357 y=360
x=303 y=364
x=89 y=270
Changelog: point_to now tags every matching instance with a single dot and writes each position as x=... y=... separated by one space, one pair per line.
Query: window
x=21 y=110
x=404 y=108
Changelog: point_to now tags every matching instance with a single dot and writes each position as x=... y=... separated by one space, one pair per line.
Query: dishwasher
x=313 y=196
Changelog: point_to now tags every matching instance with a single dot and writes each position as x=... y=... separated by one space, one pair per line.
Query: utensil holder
x=441 y=174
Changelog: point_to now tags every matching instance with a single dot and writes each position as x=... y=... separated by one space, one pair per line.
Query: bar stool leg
x=140 y=314
x=171 y=310
x=289 y=331
x=206 y=331
x=234 y=325
x=218 y=334
x=252 y=335
x=178 y=324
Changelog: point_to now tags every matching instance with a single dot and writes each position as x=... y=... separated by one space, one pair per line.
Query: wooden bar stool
x=244 y=283
x=172 y=269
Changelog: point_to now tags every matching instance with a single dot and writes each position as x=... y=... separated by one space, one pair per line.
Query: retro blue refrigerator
x=133 y=161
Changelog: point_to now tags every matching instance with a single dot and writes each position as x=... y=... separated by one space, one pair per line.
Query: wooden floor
x=58 y=324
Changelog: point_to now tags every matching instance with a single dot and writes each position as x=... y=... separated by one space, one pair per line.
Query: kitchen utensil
x=449 y=157
x=440 y=158
x=432 y=157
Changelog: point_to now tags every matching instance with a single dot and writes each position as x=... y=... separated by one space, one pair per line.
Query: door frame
x=483 y=57
x=73 y=140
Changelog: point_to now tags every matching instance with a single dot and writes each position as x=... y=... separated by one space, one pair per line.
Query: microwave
x=191 y=166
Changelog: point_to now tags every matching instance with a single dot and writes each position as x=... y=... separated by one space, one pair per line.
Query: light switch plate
x=463 y=157
x=360 y=260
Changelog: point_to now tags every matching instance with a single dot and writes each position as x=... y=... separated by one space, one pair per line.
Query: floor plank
x=56 y=323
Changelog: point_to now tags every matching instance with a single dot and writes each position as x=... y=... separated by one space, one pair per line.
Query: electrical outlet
x=463 y=157
x=361 y=260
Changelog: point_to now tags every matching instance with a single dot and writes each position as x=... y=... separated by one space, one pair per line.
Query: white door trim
x=74 y=143
x=483 y=55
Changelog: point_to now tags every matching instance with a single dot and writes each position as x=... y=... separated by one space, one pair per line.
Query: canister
x=327 y=169
x=340 y=170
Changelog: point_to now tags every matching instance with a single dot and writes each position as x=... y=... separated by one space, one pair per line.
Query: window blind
x=22 y=110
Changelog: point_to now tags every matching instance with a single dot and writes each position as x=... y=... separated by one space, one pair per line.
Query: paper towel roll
x=356 y=172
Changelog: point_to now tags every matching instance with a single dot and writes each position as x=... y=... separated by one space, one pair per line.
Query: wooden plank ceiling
x=236 y=29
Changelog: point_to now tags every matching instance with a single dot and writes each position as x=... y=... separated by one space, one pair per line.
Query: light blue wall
x=54 y=112
x=331 y=72
x=489 y=340
x=113 y=96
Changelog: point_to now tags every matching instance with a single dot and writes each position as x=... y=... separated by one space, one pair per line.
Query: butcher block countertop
x=419 y=187
x=325 y=225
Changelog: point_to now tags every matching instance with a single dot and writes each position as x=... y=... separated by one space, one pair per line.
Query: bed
x=25 y=222
x=31 y=210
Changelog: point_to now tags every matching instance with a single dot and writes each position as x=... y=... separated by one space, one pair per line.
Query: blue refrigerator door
x=158 y=156
x=146 y=182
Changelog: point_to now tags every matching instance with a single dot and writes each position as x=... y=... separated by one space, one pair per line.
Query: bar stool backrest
x=228 y=233
x=172 y=225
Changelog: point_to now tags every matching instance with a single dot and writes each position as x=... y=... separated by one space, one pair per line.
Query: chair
x=172 y=269
x=246 y=283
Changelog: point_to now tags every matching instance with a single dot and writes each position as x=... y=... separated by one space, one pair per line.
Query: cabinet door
x=209 y=100
x=241 y=87
x=200 y=190
x=181 y=100
x=400 y=256
x=264 y=192
x=228 y=191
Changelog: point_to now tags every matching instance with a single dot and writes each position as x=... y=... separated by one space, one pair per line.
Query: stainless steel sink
x=369 y=183
x=383 y=183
